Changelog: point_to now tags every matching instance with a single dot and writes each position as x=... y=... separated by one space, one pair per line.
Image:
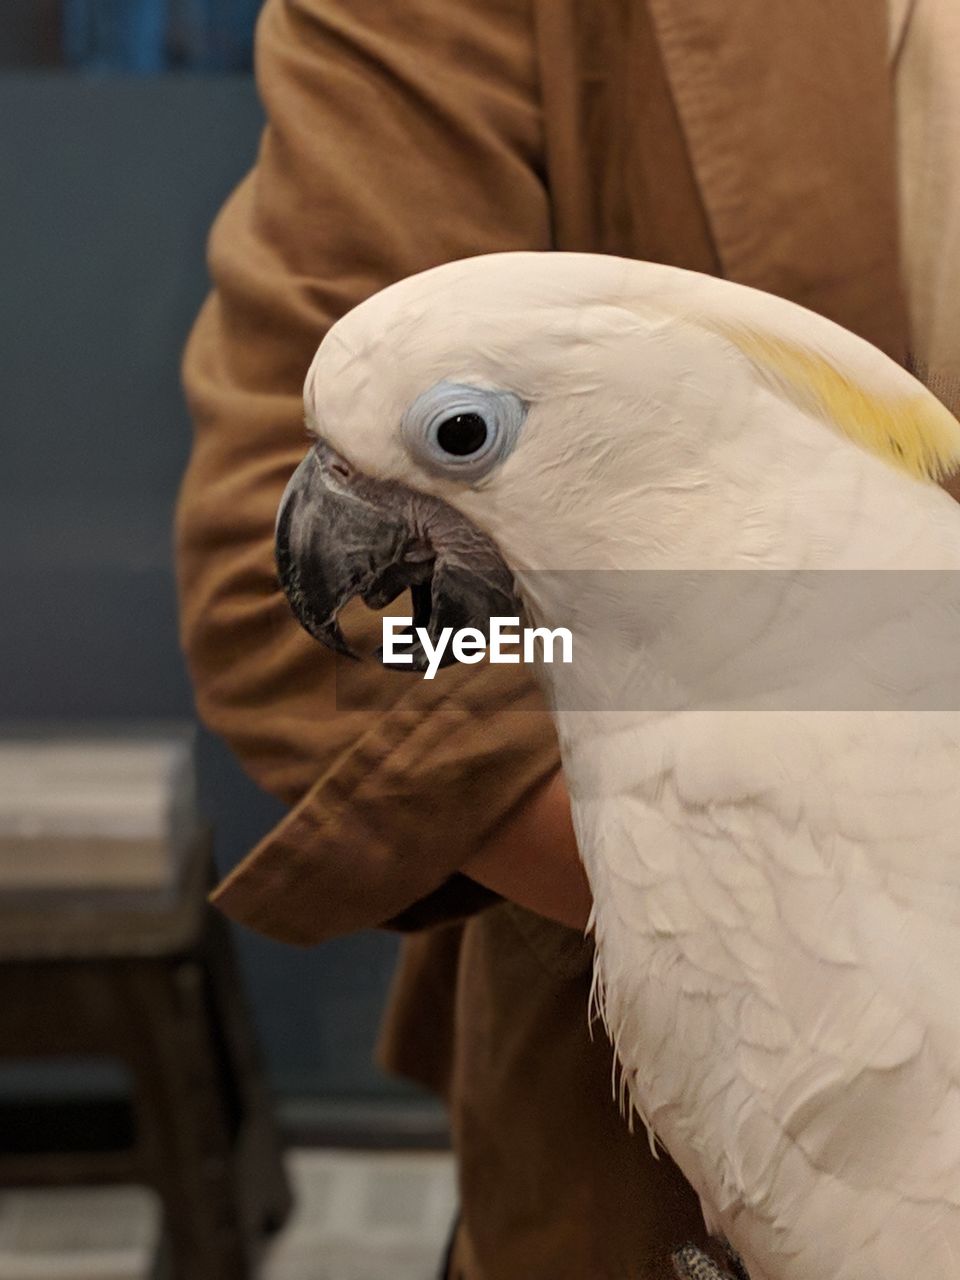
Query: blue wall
x=110 y=186
x=158 y=35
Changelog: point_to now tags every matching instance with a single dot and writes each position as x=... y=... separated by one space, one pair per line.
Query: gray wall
x=109 y=188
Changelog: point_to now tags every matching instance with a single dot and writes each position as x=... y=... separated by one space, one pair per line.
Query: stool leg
x=186 y=1133
x=260 y=1166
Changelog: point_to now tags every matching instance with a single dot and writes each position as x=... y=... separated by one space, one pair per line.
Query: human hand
x=532 y=859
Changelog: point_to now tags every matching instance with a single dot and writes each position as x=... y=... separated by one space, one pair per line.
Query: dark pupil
x=463 y=434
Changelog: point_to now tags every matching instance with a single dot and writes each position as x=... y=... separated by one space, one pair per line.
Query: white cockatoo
x=765 y=776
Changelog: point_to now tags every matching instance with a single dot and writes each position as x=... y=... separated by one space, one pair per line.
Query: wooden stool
x=151 y=982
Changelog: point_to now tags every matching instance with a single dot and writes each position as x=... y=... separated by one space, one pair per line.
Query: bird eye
x=462 y=434
x=462 y=431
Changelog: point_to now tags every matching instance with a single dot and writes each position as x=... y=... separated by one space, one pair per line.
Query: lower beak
x=338 y=540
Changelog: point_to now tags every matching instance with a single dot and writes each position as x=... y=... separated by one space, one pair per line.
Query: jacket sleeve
x=398 y=136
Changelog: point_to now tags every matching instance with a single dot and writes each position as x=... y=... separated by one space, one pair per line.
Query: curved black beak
x=340 y=534
x=332 y=545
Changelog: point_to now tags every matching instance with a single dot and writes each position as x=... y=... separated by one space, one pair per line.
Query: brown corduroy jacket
x=751 y=138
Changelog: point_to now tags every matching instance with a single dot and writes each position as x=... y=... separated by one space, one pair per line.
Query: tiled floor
x=359 y=1216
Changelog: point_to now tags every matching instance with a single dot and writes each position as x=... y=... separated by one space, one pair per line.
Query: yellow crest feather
x=914 y=431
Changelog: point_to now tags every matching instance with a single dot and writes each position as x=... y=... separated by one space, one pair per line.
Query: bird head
x=517 y=413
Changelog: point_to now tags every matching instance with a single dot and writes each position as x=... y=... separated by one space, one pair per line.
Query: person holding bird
x=787 y=148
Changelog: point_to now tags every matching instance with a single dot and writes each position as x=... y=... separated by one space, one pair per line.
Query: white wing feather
x=780 y=955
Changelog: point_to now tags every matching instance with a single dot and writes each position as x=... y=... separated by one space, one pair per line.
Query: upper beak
x=341 y=535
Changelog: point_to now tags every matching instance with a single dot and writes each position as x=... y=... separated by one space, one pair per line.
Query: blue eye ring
x=462 y=431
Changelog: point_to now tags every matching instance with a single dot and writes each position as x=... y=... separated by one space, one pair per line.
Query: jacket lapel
x=787 y=110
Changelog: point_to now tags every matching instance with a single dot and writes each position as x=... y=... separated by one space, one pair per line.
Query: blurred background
x=123 y=126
